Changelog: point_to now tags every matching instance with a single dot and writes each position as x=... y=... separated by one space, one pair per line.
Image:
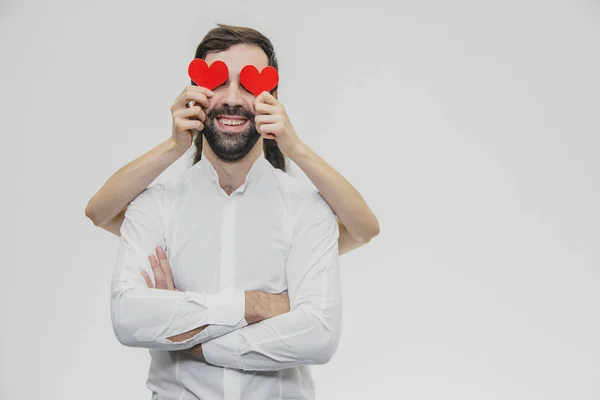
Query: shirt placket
x=231 y=377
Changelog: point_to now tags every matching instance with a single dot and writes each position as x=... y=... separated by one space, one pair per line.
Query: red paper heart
x=256 y=82
x=205 y=76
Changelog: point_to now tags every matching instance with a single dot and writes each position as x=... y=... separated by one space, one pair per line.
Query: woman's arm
x=107 y=207
x=357 y=223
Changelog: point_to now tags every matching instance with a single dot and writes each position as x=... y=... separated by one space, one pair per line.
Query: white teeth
x=231 y=122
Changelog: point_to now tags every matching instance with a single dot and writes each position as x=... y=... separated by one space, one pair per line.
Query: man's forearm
x=170 y=320
x=262 y=305
x=259 y=305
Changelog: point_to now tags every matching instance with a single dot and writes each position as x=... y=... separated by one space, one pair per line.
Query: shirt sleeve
x=310 y=332
x=147 y=317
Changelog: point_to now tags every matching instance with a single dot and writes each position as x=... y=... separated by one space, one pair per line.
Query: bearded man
x=246 y=292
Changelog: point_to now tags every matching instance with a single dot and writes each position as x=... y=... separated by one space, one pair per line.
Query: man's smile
x=232 y=123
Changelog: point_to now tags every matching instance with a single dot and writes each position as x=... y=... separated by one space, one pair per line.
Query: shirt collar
x=258 y=168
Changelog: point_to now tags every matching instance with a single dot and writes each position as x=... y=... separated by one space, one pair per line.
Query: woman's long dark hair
x=222 y=38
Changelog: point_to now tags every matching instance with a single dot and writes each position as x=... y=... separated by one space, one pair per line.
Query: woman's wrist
x=174 y=147
x=301 y=151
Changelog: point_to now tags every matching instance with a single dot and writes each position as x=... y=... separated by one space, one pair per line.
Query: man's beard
x=230 y=146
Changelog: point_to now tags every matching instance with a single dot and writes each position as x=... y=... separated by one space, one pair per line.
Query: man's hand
x=188 y=114
x=259 y=305
x=162 y=272
x=273 y=123
x=164 y=280
x=196 y=352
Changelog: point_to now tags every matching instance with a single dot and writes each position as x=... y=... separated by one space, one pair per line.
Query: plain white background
x=471 y=129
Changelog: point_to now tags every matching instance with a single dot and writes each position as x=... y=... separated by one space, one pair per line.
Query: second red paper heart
x=258 y=82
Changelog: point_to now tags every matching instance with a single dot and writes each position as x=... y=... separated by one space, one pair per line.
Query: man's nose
x=234 y=94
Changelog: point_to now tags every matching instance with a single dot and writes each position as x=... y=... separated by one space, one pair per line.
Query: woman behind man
x=357 y=223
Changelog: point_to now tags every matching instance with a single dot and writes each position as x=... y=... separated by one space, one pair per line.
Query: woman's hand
x=273 y=123
x=188 y=114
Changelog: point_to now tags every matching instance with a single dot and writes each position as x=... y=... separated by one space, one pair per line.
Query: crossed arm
x=231 y=331
x=259 y=305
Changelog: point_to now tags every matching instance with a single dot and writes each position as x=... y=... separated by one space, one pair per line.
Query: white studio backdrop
x=471 y=129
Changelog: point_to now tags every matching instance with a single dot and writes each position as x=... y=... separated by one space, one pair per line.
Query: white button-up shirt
x=273 y=234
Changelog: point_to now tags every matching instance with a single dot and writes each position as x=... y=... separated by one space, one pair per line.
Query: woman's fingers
x=195 y=111
x=189 y=119
x=263 y=108
x=187 y=124
x=269 y=131
x=165 y=268
x=267 y=119
x=198 y=94
x=266 y=97
x=263 y=125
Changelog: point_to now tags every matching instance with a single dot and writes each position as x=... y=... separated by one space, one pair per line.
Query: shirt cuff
x=226 y=308
x=224 y=351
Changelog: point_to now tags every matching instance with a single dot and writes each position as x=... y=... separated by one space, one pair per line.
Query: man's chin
x=229 y=134
x=232 y=146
